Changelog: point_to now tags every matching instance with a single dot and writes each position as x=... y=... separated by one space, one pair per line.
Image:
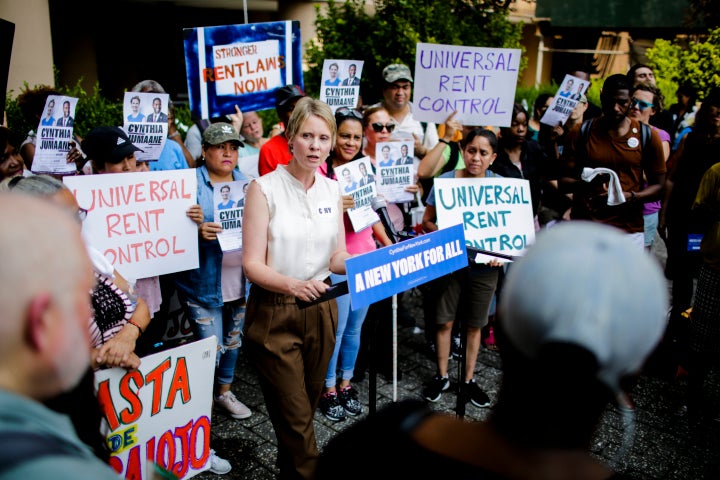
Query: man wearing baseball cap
x=110 y=150
x=397 y=92
x=276 y=151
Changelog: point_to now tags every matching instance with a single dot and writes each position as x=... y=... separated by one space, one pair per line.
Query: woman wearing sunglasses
x=341 y=399
x=378 y=128
x=646 y=101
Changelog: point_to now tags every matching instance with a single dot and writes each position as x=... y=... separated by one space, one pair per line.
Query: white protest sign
x=229 y=200
x=565 y=100
x=496 y=213
x=138 y=220
x=478 y=82
x=160 y=412
x=54 y=133
x=340 y=83
x=146 y=122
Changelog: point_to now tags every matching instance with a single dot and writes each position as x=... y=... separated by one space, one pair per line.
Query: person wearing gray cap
x=276 y=151
x=572 y=334
x=397 y=92
x=213 y=295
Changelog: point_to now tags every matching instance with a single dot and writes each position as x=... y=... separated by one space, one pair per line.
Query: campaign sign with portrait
x=477 y=82
x=146 y=122
x=161 y=412
x=568 y=95
x=241 y=65
x=229 y=201
x=356 y=179
x=138 y=220
x=395 y=173
x=340 y=83
x=54 y=134
x=495 y=213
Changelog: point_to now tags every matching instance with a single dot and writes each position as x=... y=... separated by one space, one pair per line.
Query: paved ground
x=665 y=446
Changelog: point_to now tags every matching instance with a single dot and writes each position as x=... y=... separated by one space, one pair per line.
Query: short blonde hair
x=304 y=109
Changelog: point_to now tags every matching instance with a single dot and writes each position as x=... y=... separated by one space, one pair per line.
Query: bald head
x=45 y=281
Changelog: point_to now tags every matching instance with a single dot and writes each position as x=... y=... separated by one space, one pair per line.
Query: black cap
x=289 y=92
x=108 y=145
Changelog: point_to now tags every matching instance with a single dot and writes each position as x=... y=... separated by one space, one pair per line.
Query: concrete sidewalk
x=665 y=446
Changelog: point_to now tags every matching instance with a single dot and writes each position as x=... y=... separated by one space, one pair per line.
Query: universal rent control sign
x=394 y=269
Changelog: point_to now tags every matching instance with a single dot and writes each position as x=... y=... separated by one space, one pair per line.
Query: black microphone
x=380 y=206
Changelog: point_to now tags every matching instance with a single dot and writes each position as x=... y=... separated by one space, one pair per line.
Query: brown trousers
x=291 y=349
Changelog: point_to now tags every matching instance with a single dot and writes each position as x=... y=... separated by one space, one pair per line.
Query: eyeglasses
x=345 y=112
x=82 y=214
x=378 y=127
x=640 y=104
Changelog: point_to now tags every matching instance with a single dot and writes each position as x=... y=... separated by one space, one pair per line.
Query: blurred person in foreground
x=44 y=340
x=568 y=335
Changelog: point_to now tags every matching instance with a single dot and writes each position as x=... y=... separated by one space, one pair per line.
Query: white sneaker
x=219 y=465
x=234 y=407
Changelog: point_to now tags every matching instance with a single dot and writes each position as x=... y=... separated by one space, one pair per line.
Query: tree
x=694 y=62
x=348 y=31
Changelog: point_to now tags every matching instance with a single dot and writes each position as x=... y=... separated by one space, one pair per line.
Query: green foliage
x=694 y=62
x=529 y=94
x=92 y=110
x=347 y=31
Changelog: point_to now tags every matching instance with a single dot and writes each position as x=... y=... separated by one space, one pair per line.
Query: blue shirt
x=171 y=158
x=203 y=284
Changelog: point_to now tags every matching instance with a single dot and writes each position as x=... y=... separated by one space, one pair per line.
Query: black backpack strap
x=454 y=157
x=20 y=447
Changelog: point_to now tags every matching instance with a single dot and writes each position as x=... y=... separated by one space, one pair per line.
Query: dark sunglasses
x=345 y=112
x=378 y=127
x=640 y=104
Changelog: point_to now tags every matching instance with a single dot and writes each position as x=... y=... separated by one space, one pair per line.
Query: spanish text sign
x=241 y=65
x=478 y=82
x=160 y=412
x=495 y=213
x=382 y=273
x=138 y=219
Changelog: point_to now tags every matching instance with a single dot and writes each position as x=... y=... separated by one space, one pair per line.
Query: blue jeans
x=347 y=341
x=225 y=323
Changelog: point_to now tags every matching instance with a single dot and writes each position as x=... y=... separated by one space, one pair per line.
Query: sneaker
x=218 y=465
x=477 y=397
x=330 y=407
x=433 y=390
x=348 y=399
x=232 y=406
x=455 y=350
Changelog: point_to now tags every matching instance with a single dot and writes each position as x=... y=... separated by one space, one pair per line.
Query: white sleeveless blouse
x=302 y=234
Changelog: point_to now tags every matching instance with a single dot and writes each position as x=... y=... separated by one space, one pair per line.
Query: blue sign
x=241 y=65
x=382 y=273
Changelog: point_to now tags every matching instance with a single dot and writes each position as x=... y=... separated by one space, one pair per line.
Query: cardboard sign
x=382 y=273
x=241 y=65
x=160 y=412
x=478 y=82
x=138 y=220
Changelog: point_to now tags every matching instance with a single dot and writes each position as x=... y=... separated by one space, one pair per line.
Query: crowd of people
x=603 y=187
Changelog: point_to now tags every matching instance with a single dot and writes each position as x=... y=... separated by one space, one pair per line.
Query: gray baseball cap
x=221 y=132
x=397 y=71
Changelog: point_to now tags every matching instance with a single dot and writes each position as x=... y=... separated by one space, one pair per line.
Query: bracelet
x=173 y=135
x=131 y=322
x=444 y=141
